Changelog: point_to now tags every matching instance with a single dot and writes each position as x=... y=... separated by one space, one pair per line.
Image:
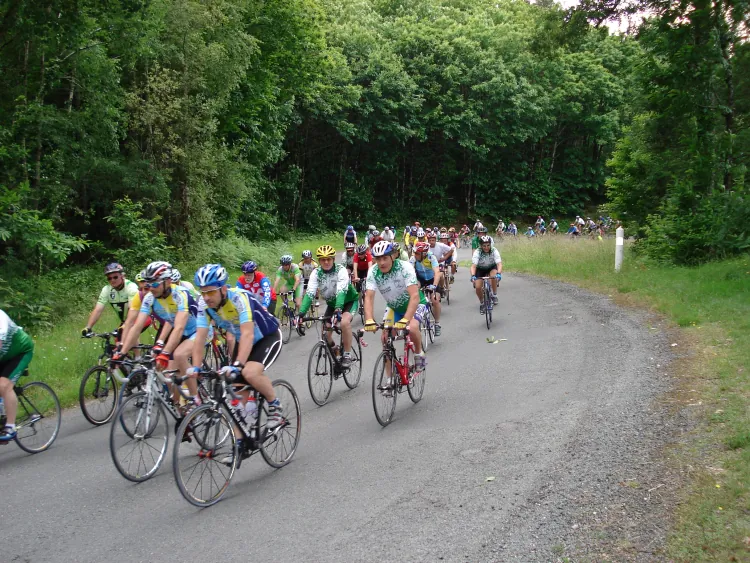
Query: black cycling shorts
x=483 y=273
x=265 y=351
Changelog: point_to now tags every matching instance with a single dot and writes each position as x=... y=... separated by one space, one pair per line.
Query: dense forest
x=132 y=124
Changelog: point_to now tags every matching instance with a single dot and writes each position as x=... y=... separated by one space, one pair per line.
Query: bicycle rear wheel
x=203 y=467
x=285 y=322
x=279 y=444
x=447 y=286
x=416 y=381
x=138 y=439
x=320 y=374
x=384 y=389
x=38 y=419
x=428 y=330
x=487 y=305
x=98 y=395
x=354 y=373
x=313 y=312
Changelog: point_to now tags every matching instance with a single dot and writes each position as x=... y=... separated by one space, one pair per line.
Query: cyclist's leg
x=264 y=353
x=493 y=280
x=350 y=309
x=181 y=362
x=21 y=351
x=272 y=307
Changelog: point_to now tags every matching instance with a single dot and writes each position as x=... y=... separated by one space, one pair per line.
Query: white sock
x=11 y=427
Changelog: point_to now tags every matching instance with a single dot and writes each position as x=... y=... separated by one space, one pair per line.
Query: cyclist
x=16 y=351
x=530 y=232
x=512 y=229
x=362 y=262
x=118 y=293
x=177 y=306
x=540 y=225
x=500 y=229
x=450 y=259
x=453 y=236
x=428 y=272
x=399 y=253
x=397 y=282
x=177 y=280
x=347 y=257
x=389 y=234
x=332 y=281
x=307 y=265
x=257 y=283
x=135 y=307
x=371 y=230
x=255 y=329
x=289 y=278
x=374 y=238
x=350 y=235
x=486 y=262
x=553 y=226
x=407 y=234
x=482 y=231
x=477 y=226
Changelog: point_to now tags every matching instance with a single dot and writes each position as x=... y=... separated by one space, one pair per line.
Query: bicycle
x=140 y=452
x=487 y=300
x=38 y=407
x=386 y=387
x=360 y=287
x=288 y=316
x=98 y=395
x=314 y=308
x=324 y=365
x=445 y=282
x=216 y=452
x=427 y=324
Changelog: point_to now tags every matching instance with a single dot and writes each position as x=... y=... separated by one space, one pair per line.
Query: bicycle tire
x=283 y=439
x=447 y=287
x=210 y=425
x=428 y=330
x=381 y=396
x=140 y=433
x=313 y=312
x=96 y=409
x=320 y=374
x=285 y=322
x=37 y=403
x=361 y=306
x=353 y=375
x=487 y=302
x=417 y=382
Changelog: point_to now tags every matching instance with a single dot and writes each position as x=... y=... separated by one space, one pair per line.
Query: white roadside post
x=619 y=248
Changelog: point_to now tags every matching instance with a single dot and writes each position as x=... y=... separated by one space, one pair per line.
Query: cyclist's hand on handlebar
x=371 y=325
x=431 y=287
x=157 y=347
x=402 y=324
x=117 y=356
x=86 y=332
x=163 y=359
x=473 y=278
x=337 y=315
x=499 y=276
x=230 y=372
x=192 y=372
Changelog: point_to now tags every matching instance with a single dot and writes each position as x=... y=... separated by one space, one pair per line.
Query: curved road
x=553 y=414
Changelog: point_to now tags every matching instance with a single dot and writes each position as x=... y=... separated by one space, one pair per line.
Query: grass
x=711 y=305
x=61 y=357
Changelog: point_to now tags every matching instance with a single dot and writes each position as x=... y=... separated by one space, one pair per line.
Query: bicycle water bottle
x=251 y=414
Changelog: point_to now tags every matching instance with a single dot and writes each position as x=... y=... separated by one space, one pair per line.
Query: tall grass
x=712 y=305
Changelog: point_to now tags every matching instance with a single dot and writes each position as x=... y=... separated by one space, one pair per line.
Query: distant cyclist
x=257 y=283
x=486 y=262
x=118 y=293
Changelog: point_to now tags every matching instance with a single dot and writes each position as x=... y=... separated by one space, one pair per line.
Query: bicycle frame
x=402 y=364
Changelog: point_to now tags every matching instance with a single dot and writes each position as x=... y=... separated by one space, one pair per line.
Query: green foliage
x=135 y=236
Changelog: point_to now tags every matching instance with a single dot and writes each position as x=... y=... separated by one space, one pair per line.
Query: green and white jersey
x=486 y=260
x=334 y=286
x=392 y=286
x=287 y=277
x=7 y=329
x=119 y=298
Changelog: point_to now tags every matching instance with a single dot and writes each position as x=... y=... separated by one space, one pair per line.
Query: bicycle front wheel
x=320 y=374
x=428 y=330
x=487 y=306
x=384 y=389
x=98 y=395
x=38 y=419
x=205 y=456
x=416 y=381
x=354 y=373
x=279 y=444
x=285 y=322
x=139 y=436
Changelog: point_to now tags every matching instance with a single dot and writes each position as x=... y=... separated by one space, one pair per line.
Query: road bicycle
x=314 y=309
x=204 y=465
x=288 y=319
x=427 y=324
x=38 y=416
x=388 y=382
x=360 y=287
x=445 y=281
x=139 y=435
x=324 y=365
x=487 y=300
x=98 y=393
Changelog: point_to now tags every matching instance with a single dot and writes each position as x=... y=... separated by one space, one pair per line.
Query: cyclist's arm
x=411 y=309
x=312 y=291
x=95 y=314
x=180 y=321
x=133 y=334
x=247 y=334
x=498 y=260
x=297 y=279
x=129 y=322
x=198 y=346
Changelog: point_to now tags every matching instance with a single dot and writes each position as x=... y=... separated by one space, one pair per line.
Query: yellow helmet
x=326 y=251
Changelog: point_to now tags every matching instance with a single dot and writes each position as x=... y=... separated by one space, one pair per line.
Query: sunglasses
x=153 y=285
x=114 y=277
x=209 y=291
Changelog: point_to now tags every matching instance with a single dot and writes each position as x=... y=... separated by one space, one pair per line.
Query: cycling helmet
x=249 y=267
x=452 y=230
x=306 y=254
x=158 y=271
x=420 y=233
x=211 y=274
x=443 y=230
x=372 y=228
x=349 y=228
x=414 y=230
x=326 y=251
x=382 y=248
x=422 y=247
x=362 y=249
x=176 y=275
x=375 y=233
x=139 y=276
x=350 y=246
x=432 y=234
x=482 y=229
x=396 y=247
x=286 y=259
x=486 y=240
x=444 y=236
x=113 y=268
x=375 y=240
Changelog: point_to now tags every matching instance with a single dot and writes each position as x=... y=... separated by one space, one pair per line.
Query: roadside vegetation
x=711 y=305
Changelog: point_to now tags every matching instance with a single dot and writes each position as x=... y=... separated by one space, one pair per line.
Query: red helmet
x=422 y=247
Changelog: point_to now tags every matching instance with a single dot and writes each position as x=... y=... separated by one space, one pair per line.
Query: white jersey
x=388 y=235
x=486 y=260
x=440 y=250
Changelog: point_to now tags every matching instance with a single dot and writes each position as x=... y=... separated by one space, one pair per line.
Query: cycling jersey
x=307 y=269
x=137 y=301
x=240 y=307
x=485 y=260
x=393 y=285
x=118 y=298
x=179 y=300
x=7 y=330
x=191 y=288
x=334 y=286
x=288 y=277
x=362 y=264
x=260 y=287
x=350 y=236
x=440 y=250
x=424 y=268
x=16 y=349
x=347 y=260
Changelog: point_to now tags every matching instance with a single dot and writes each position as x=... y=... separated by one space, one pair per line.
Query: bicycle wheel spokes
x=138 y=438
x=320 y=374
x=279 y=444
x=205 y=455
x=384 y=389
x=38 y=419
x=354 y=373
x=98 y=395
x=416 y=381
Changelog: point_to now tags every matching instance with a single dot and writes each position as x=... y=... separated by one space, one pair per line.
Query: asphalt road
x=552 y=413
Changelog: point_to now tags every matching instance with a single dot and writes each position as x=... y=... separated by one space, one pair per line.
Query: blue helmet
x=249 y=267
x=414 y=230
x=211 y=274
x=382 y=248
x=350 y=228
